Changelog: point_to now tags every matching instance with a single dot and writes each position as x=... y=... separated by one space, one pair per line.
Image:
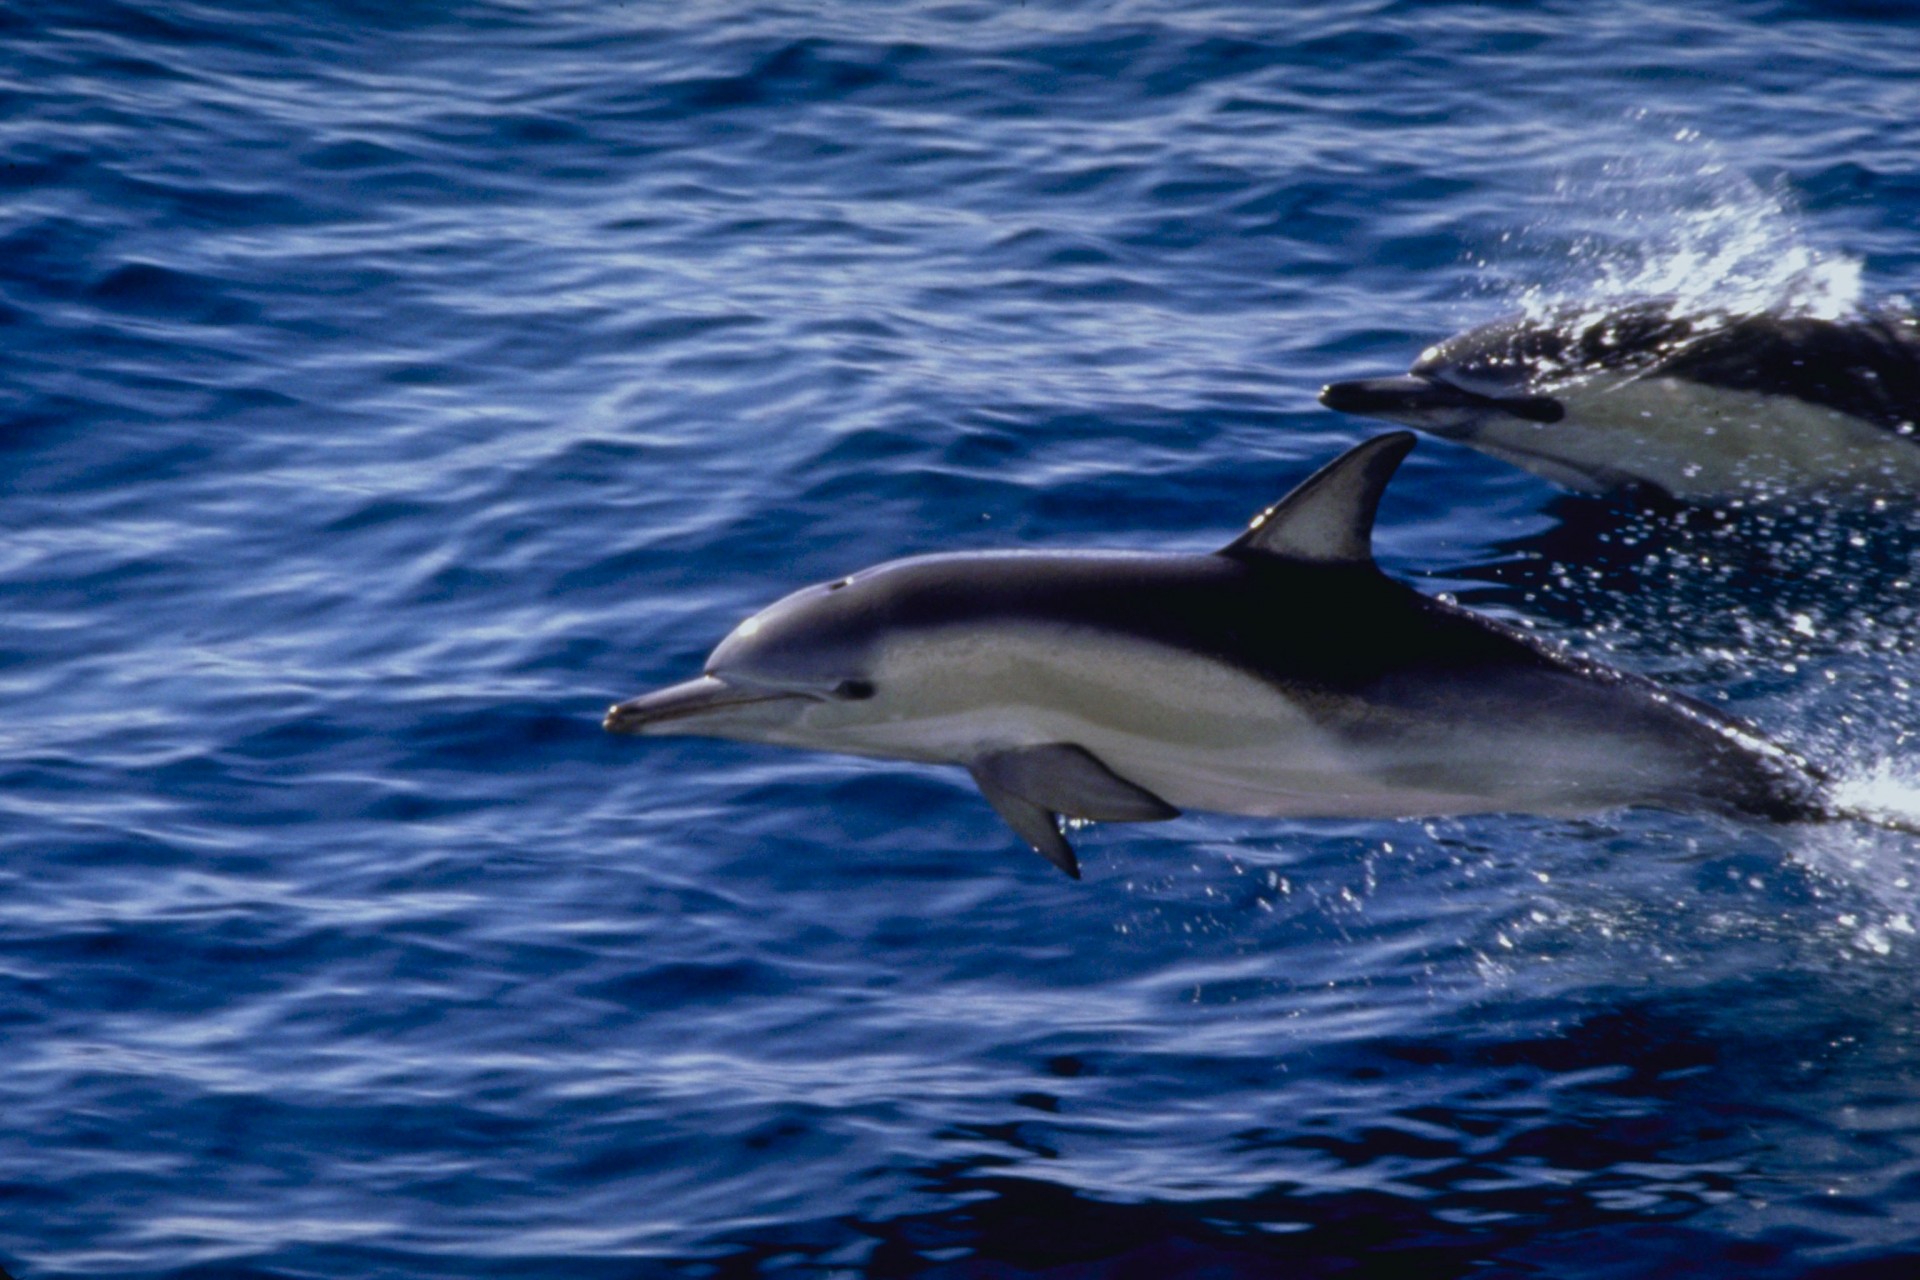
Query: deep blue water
x=387 y=388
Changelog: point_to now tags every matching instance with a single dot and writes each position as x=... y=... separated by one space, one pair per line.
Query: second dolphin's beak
x=1424 y=402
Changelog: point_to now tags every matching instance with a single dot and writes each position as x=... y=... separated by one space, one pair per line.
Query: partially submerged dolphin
x=1282 y=675
x=1699 y=407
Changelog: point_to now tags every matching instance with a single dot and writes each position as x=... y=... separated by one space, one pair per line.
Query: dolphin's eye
x=853 y=690
x=844 y=582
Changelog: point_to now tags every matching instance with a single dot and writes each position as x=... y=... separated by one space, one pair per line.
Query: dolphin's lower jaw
x=1433 y=406
x=704 y=706
x=1383 y=397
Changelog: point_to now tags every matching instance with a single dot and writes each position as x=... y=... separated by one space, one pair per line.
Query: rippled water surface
x=389 y=387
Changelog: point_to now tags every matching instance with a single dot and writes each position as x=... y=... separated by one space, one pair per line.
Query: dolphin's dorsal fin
x=1028 y=786
x=1328 y=519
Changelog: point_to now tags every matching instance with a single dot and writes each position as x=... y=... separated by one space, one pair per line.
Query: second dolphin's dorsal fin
x=1328 y=519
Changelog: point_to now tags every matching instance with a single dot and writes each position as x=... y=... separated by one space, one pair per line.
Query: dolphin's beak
x=1394 y=397
x=1424 y=402
x=663 y=710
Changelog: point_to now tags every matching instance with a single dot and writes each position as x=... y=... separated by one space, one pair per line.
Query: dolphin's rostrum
x=1283 y=675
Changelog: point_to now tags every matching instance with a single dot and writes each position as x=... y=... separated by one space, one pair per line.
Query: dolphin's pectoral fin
x=1033 y=823
x=1027 y=786
x=1070 y=779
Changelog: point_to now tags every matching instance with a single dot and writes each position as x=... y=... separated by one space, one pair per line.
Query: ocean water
x=387 y=388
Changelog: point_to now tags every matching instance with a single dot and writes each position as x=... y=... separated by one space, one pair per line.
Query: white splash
x=1885 y=794
x=1657 y=211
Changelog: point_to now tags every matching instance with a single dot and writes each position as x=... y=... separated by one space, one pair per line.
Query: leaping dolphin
x=1283 y=675
x=1701 y=407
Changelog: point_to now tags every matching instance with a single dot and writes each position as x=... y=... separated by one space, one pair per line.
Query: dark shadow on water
x=1617 y=1145
x=1019 y=1227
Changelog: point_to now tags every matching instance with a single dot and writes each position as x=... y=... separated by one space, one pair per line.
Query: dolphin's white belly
x=1699 y=442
